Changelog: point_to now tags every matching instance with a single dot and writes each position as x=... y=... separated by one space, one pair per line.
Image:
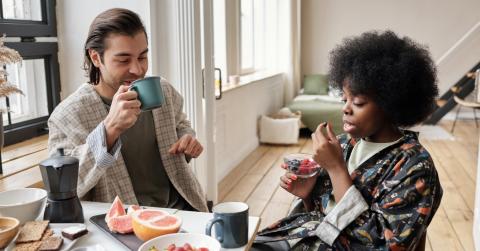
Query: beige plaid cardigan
x=75 y=125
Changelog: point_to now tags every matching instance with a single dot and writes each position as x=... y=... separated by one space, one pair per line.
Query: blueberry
x=293 y=164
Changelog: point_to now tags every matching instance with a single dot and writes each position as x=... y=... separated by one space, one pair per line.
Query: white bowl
x=24 y=204
x=179 y=239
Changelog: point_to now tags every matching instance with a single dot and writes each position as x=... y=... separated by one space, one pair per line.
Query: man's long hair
x=113 y=21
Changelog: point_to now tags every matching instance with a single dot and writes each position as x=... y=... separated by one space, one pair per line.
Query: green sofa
x=316 y=110
x=316 y=105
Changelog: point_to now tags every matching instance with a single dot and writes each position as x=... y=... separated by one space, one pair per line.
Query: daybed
x=317 y=104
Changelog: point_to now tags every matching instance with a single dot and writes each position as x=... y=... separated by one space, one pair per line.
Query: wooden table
x=192 y=222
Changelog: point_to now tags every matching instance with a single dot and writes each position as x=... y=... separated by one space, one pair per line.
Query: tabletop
x=192 y=222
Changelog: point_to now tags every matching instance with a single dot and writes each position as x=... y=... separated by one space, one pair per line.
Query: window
x=252 y=35
x=25 y=75
x=240 y=32
x=22 y=10
x=247 y=49
x=23 y=22
x=28 y=18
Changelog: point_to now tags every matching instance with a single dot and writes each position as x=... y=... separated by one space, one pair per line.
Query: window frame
x=27 y=31
x=35 y=127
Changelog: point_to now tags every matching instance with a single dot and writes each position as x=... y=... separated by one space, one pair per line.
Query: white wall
x=476 y=213
x=237 y=115
x=73 y=21
x=435 y=23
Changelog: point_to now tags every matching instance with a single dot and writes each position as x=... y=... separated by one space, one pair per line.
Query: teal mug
x=149 y=92
x=231 y=224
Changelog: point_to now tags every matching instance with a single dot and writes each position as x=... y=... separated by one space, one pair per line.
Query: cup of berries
x=301 y=164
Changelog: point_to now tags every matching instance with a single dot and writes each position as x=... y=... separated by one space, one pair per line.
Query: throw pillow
x=315 y=84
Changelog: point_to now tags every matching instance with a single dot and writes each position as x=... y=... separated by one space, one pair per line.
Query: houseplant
x=7 y=56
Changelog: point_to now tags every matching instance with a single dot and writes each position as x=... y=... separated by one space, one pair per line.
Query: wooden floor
x=255 y=181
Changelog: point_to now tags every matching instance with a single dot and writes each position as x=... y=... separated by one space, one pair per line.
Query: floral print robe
x=401 y=187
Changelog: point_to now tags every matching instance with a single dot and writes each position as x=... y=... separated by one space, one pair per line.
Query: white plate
x=179 y=239
x=57 y=230
x=96 y=247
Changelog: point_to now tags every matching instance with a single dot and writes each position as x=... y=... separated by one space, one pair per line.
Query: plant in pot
x=7 y=56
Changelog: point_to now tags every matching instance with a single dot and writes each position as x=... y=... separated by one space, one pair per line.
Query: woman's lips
x=347 y=126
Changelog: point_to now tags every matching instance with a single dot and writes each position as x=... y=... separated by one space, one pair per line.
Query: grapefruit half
x=150 y=223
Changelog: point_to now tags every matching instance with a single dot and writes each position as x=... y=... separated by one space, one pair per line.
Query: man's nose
x=136 y=68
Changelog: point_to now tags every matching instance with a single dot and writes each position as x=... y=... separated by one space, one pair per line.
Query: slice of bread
x=47 y=233
x=32 y=231
x=34 y=245
x=53 y=243
x=28 y=246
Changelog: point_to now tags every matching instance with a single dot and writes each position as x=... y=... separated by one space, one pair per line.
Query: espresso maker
x=60 y=175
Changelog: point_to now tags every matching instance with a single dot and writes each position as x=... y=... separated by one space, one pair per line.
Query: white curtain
x=288 y=49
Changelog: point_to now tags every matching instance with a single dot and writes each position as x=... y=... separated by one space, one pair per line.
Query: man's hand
x=188 y=145
x=123 y=114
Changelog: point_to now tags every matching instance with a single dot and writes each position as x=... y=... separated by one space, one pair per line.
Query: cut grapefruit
x=115 y=210
x=150 y=223
x=120 y=224
x=149 y=214
x=116 y=218
x=133 y=208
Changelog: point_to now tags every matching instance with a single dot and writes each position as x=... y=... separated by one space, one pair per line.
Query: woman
x=378 y=188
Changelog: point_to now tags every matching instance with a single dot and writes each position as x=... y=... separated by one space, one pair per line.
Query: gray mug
x=231 y=224
x=149 y=92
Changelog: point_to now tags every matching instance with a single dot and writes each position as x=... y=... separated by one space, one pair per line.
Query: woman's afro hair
x=397 y=73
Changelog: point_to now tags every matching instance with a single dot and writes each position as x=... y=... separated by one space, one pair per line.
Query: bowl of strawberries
x=301 y=164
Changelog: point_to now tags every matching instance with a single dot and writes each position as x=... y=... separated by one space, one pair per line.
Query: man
x=139 y=156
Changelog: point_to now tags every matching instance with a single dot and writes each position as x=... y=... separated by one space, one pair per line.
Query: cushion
x=279 y=131
x=316 y=84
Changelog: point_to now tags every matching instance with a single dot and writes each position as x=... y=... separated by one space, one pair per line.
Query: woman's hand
x=300 y=187
x=328 y=154
x=327 y=151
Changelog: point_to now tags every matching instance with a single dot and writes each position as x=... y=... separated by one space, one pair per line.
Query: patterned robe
x=401 y=187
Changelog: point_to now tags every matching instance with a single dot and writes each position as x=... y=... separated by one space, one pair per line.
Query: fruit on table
x=118 y=221
x=305 y=166
x=116 y=209
x=150 y=223
x=133 y=208
x=185 y=247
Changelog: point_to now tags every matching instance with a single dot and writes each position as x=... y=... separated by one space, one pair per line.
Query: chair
x=461 y=102
x=421 y=243
x=470 y=104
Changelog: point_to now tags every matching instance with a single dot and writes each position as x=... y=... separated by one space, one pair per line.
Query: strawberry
x=187 y=247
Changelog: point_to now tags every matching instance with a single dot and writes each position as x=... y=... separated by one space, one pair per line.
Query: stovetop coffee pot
x=60 y=175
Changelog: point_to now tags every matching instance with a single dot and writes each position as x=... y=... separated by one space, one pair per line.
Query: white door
x=209 y=99
x=182 y=51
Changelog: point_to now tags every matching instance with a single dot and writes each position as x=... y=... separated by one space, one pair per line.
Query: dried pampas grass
x=7 y=56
